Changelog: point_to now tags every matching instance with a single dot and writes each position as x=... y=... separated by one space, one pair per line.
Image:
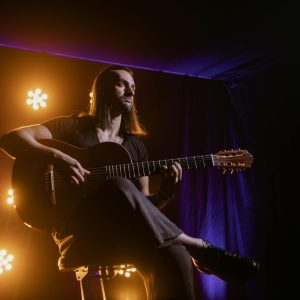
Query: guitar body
x=43 y=199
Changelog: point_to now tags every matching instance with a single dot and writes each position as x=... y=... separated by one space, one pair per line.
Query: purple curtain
x=240 y=211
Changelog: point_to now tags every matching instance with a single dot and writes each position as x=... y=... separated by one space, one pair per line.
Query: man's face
x=122 y=91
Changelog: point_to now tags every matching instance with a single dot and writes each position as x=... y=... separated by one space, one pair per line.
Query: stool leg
x=92 y=287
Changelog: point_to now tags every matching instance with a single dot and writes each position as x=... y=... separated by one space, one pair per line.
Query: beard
x=123 y=105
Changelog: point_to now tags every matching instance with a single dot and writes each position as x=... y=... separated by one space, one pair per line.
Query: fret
x=195 y=162
x=148 y=168
x=124 y=171
x=212 y=159
x=138 y=169
x=187 y=163
x=132 y=165
x=143 y=169
x=129 y=176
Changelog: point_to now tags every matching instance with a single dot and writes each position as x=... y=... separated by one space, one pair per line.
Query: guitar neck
x=140 y=169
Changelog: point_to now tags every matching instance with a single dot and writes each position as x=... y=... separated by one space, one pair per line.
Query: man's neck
x=110 y=132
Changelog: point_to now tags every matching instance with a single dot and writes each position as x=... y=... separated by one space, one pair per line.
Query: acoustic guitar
x=43 y=198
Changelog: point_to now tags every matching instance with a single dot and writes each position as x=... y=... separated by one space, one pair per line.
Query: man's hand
x=70 y=169
x=171 y=177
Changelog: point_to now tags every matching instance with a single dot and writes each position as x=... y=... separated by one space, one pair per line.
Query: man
x=120 y=220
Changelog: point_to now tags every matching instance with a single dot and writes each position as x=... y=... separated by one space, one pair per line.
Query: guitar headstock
x=233 y=160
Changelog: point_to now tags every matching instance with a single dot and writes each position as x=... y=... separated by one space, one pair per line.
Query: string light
x=10 y=197
x=91 y=97
x=127 y=274
x=37 y=99
x=5 y=261
x=126 y=270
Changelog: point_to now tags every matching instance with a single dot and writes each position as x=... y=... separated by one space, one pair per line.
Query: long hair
x=100 y=110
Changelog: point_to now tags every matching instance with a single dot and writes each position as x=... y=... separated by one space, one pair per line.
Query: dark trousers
x=119 y=224
x=169 y=274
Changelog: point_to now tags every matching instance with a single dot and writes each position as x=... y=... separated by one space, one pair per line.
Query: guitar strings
x=144 y=168
x=138 y=169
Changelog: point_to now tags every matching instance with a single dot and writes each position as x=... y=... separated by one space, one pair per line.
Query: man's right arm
x=24 y=143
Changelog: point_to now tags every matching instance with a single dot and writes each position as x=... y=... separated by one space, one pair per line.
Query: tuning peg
x=231 y=171
x=224 y=171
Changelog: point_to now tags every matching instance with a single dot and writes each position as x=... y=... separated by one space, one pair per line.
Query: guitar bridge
x=50 y=185
x=49 y=182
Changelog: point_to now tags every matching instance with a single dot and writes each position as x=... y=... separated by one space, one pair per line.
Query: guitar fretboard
x=147 y=168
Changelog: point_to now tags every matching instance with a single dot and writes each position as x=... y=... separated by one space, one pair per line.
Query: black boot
x=230 y=267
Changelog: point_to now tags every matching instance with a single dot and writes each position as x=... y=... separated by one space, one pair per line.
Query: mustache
x=129 y=94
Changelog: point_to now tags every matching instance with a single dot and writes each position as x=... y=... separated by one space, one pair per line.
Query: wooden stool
x=92 y=279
